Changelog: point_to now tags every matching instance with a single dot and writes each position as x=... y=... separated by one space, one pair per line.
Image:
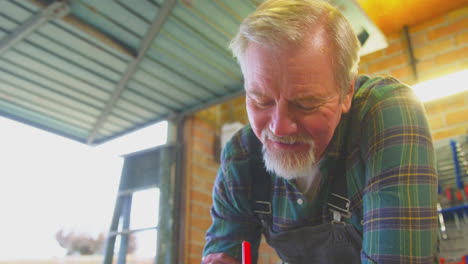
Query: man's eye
x=307 y=108
x=263 y=104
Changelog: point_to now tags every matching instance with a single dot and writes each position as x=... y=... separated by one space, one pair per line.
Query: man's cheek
x=256 y=118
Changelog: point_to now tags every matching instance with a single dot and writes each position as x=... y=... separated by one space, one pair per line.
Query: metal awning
x=95 y=70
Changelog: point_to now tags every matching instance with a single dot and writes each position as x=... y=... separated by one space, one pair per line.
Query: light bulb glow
x=441 y=87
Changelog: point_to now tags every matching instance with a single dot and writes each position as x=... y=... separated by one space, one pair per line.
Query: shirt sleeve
x=231 y=212
x=400 y=196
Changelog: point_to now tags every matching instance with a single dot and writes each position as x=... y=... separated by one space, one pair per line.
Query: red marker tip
x=246 y=253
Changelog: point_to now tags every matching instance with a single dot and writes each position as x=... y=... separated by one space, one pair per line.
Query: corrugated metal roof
x=63 y=76
x=93 y=70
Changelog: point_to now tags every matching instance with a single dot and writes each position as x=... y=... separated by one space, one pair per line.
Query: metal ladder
x=141 y=171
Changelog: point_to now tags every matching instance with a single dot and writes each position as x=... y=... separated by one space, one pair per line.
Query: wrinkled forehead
x=317 y=39
x=260 y=57
x=300 y=69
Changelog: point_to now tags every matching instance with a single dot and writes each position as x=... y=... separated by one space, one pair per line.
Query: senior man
x=334 y=167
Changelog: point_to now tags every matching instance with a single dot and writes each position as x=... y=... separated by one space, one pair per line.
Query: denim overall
x=332 y=241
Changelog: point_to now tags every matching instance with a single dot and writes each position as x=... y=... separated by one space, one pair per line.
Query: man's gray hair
x=282 y=23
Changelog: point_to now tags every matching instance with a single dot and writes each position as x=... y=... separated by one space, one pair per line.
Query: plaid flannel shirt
x=385 y=144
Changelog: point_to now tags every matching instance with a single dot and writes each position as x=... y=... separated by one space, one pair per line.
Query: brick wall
x=448 y=117
x=440 y=47
x=201 y=133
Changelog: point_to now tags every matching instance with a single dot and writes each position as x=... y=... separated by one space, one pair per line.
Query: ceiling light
x=441 y=87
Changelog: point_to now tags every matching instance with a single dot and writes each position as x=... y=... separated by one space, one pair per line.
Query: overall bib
x=332 y=241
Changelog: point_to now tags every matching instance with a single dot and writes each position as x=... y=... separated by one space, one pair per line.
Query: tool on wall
x=459 y=163
x=443 y=229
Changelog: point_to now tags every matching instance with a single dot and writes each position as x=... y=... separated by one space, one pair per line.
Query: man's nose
x=282 y=122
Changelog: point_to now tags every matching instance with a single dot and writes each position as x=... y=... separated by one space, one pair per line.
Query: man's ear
x=348 y=98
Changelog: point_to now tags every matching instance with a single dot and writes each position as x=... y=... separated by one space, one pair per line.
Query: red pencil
x=246 y=254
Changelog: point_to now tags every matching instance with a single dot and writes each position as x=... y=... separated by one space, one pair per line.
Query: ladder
x=151 y=168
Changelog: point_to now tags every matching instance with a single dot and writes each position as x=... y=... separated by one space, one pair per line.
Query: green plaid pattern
x=385 y=146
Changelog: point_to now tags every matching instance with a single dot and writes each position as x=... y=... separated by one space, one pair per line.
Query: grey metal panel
x=22 y=96
x=43 y=81
x=216 y=16
x=193 y=57
x=104 y=134
x=29 y=101
x=191 y=88
x=17 y=11
x=68 y=75
x=37 y=119
x=146 y=10
x=53 y=11
x=164 y=88
x=106 y=130
x=27 y=87
x=107 y=23
x=194 y=43
x=218 y=100
x=70 y=68
x=145 y=90
x=69 y=121
x=55 y=73
x=116 y=120
x=8 y=23
x=194 y=62
x=196 y=75
x=207 y=19
x=110 y=129
x=146 y=102
x=115 y=16
x=80 y=60
x=135 y=109
x=168 y=87
x=150 y=34
x=238 y=9
x=82 y=33
x=85 y=45
x=52 y=46
x=127 y=115
x=198 y=24
x=28 y=5
x=102 y=139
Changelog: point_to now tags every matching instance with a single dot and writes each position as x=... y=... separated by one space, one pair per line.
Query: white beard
x=288 y=164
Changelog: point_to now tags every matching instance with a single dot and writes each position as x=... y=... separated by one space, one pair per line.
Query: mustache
x=291 y=139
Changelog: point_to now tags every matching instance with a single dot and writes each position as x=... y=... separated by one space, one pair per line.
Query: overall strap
x=338 y=202
x=261 y=193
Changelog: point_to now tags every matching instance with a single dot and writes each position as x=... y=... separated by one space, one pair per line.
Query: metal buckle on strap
x=263 y=207
x=339 y=206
